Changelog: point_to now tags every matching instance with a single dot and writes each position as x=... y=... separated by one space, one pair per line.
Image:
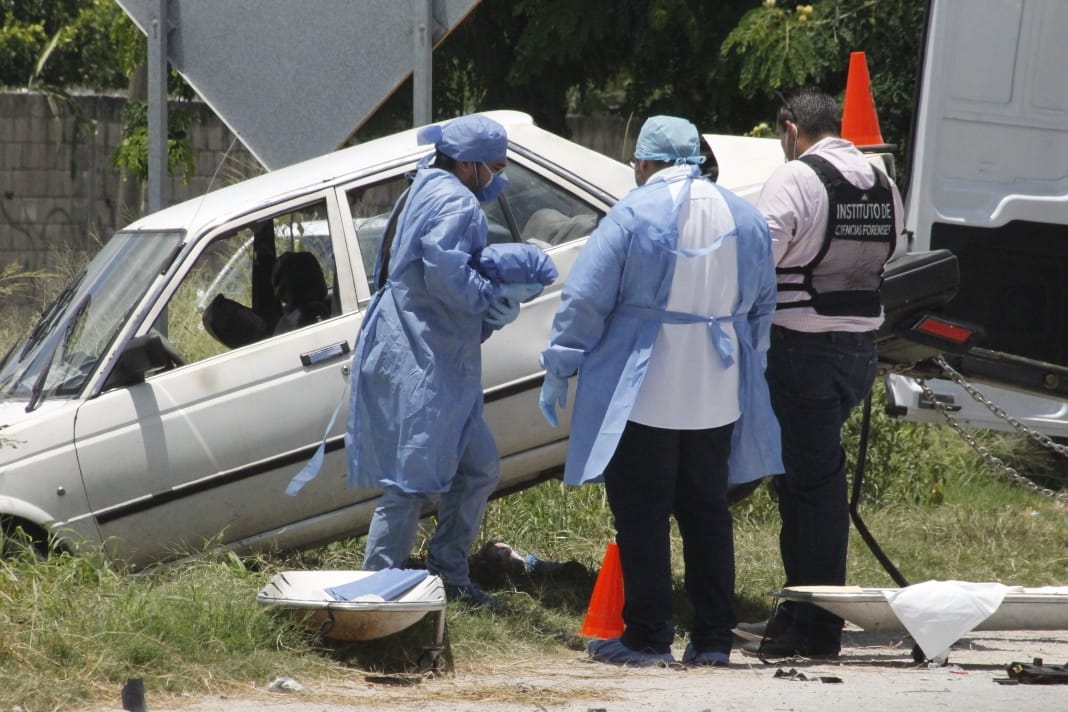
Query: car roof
x=230 y=202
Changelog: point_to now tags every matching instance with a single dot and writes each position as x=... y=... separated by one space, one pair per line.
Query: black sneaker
x=471 y=596
x=751 y=631
x=759 y=629
x=790 y=646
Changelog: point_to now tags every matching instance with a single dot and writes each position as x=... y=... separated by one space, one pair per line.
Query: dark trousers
x=815 y=381
x=656 y=473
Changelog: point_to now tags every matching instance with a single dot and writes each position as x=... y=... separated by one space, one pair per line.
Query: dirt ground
x=874 y=672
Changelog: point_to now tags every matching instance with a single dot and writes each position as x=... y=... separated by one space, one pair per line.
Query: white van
x=988 y=180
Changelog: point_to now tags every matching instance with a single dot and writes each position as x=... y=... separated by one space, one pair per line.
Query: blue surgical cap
x=468 y=138
x=670 y=139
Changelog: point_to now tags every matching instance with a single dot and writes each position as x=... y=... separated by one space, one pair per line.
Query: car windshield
x=65 y=346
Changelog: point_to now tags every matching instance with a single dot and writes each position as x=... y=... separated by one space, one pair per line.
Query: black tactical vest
x=843 y=279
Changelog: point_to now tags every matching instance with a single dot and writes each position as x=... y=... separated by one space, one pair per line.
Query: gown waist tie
x=721 y=340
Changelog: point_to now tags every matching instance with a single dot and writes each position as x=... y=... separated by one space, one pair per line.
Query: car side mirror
x=142 y=355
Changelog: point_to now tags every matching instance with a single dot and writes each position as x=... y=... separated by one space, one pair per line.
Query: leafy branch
x=131 y=155
x=781 y=48
x=59 y=98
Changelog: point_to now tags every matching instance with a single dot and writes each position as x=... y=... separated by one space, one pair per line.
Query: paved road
x=876 y=673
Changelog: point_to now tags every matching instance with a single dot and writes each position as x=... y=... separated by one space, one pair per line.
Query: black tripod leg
x=854 y=500
x=854 y=513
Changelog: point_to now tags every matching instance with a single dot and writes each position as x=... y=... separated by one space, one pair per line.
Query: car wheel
x=20 y=539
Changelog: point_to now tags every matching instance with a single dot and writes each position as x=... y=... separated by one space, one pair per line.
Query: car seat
x=554 y=228
x=232 y=323
x=300 y=286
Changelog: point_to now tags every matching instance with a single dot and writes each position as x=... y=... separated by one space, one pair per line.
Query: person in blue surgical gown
x=665 y=317
x=415 y=423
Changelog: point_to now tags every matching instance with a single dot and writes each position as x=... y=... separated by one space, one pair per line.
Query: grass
x=73 y=629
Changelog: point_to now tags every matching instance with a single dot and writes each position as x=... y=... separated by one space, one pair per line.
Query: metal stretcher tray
x=305 y=592
x=1044 y=608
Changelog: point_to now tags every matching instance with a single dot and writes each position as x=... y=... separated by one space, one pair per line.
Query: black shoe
x=791 y=646
x=756 y=631
x=751 y=631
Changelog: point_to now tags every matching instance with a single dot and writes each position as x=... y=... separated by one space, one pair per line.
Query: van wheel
x=20 y=539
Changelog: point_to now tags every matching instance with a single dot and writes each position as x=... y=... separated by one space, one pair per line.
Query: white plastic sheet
x=938 y=613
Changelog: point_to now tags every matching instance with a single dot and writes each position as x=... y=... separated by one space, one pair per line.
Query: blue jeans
x=460 y=511
x=654 y=473
x=816 y=379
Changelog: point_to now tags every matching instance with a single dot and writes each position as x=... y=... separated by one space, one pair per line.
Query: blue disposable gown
x=603 y=329
x=505 y=263
x=416 y=400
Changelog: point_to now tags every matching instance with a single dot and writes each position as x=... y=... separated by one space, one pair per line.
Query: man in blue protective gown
x=415 y=423
x=665 y=318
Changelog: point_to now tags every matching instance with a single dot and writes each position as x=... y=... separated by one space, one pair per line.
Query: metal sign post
x=159 y=28
x=422 y=76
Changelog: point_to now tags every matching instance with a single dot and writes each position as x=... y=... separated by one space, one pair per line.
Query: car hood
x=13 y=411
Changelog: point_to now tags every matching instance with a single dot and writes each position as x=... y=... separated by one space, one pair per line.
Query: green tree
x=718 y=62
x=60 y=46
x=545 y=57
x=783 y=44
x=618 y=57
x=78 y=38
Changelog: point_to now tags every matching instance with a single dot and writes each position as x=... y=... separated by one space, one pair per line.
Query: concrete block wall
x=59 y=190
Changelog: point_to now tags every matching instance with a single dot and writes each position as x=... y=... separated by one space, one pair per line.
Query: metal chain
x=992 y=460
x=1040 y=438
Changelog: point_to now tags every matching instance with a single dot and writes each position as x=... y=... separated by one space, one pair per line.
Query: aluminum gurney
x=307 y=594
x=1043 y=608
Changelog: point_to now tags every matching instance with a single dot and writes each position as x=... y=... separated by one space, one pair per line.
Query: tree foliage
x=61 y=46
x=717 y=62
x=82 y=38
x=779 y=48
x=784 y=44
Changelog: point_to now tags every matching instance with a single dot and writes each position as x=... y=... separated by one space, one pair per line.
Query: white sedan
x=163 y=403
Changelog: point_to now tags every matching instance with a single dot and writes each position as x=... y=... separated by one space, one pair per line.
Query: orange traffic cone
x=604 y=617
x=860 y=123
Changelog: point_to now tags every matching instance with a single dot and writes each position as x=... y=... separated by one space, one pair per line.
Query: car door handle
x=324 y=354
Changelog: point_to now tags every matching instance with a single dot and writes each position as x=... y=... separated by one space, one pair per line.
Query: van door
x=988 y=181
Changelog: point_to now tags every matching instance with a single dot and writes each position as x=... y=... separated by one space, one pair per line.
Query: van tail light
x=946 y=334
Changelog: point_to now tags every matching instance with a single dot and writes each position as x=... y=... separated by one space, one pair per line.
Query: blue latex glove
x=501 y=312
x=553 y=394
x=520 y=291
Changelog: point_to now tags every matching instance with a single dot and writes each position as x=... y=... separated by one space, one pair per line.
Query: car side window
x=371 y=206
x=542 y=212
x=262 y=279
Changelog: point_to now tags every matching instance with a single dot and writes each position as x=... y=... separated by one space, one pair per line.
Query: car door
x=201 y=454
x=541 y=209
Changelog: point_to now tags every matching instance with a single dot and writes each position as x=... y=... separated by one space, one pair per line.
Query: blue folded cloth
x=515 y=262
x=387 y=583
